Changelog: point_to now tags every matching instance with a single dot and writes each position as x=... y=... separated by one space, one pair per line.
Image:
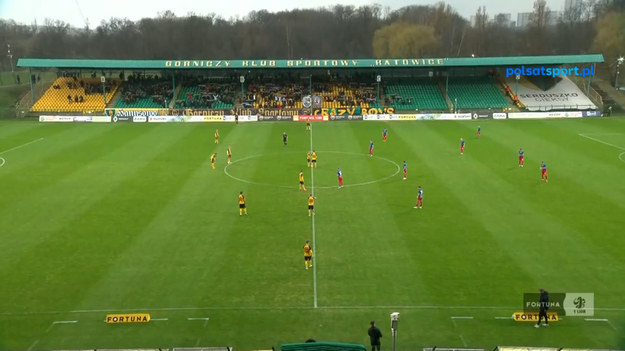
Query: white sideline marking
x=198 y=319
x=159 y=319
x=601 y=320
x=251 y=308
x=601 y=141
x=21 y=146
x=503 y=317
x=33 y=345
x=314 y=243
x=64 y=322
x=461 y=317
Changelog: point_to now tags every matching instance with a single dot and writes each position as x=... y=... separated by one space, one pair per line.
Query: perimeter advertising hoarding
x=444 y=116
x=549 y=114
x=312 y=118
x=346 y=118
x=242 y=118
x=275 y=118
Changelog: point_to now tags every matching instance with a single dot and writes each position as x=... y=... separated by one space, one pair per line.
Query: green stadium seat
x=415 y=95
x=476 y=93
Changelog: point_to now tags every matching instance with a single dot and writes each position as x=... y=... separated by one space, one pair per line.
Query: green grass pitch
x=106 y=218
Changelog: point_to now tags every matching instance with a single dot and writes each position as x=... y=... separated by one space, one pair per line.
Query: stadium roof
x=309 y=63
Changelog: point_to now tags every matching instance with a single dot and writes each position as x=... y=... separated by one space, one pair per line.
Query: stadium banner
x=353 y=111
x=242 y=118
x=123 y=119
x=346 y=118
x=127 y=318
x=197 y=112
x=131 y=112
x=406 y=117
x=444 y=116
x=533 y=316
x=275 y=118
x=549 y=114
x=592 y=113
x=312 y=118
x=499 y=115
x=101 y=119
x=139 y=119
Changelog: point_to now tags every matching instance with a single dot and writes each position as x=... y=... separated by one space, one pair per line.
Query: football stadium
x=253 y=203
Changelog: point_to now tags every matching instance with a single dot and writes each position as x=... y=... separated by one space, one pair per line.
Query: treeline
x=336 y=32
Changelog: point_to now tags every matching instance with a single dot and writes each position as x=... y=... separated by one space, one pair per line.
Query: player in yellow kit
x=313 y=158
x=308 y=254
x=213 y=159
x=216 y=136
x=311 y=205
x=301 y=181
x=308 y=158
x=229 y=152
x=242 y=208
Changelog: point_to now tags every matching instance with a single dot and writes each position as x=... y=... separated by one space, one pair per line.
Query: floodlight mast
x=619 y=62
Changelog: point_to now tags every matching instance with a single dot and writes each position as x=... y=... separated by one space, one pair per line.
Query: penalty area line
x=21 y=146
x=601 y=141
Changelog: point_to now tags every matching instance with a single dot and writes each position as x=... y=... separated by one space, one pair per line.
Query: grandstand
x=204 y=94
x=436 y=85
x=75 y=94
x=416 y=95
x=144 y=92
x=476 y=93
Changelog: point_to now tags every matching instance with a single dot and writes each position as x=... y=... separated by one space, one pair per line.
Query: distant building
x=523 y=19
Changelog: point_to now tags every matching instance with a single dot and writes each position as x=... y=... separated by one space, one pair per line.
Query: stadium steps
x=55 y=99
x=476 y=93
x=416 y=95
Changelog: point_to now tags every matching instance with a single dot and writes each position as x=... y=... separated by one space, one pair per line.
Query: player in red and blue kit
x=543 y=172
x=370 y=147
x=419 y=203
x=384 y=133
x=405 y=170
x=521 y=157
x=339 y=174
x=479 y=131
x=461 y=146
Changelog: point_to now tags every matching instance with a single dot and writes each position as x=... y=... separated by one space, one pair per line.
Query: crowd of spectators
x=140 y=86
x=80 y=87
x=204 y=93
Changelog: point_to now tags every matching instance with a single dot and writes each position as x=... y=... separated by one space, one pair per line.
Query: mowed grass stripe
x=62 y=175
x=574 y=194
x=350 y=243
x=541 y=226
x=183 y=240
x=452 y=241
x=82 y=245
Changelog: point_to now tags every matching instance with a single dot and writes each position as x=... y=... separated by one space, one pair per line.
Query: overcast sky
x=76 y=12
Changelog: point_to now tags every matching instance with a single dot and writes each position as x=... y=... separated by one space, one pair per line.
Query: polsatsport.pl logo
x=550 y=71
